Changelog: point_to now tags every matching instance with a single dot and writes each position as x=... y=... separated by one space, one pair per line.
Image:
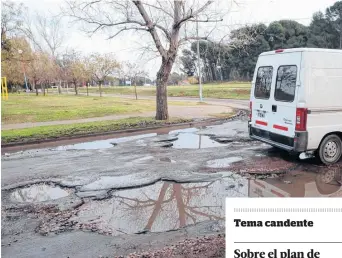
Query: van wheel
x=330 y=150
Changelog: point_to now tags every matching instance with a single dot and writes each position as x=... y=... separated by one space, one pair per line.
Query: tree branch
x=151 y=27
x=192 y=14
x=207 y=20
x=125 y=29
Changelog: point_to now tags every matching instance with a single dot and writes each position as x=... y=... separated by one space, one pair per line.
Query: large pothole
x=38 y=193
x=159 y=207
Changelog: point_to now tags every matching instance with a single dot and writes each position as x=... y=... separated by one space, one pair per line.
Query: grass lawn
x=53 y=132
x=30 y=108
x=224 y=90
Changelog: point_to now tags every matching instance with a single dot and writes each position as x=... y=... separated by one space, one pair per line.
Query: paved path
x=216 y=106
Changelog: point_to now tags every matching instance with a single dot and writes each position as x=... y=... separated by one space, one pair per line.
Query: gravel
x=204 y=247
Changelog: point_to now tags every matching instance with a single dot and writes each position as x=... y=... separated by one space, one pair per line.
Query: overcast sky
x=126 y=47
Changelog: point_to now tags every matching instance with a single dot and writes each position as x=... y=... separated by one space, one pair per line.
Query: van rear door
x=274 y=97
x=284 y=94
x=261 y=99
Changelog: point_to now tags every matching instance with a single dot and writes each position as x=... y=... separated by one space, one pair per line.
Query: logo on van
x=287 y=121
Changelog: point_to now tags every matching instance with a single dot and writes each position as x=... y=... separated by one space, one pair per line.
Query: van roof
x=291 y=50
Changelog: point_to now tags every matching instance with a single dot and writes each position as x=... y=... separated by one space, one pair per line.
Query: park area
x=229 y=90
x=29 y=118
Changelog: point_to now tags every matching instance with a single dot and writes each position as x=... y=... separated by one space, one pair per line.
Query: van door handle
x=274 y=108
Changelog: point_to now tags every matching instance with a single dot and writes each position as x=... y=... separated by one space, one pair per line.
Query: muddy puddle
x=194 y=141
x=103 y=144
x=189 y=139
x=160 y=207
x=168 y=206
x=308 y=181
x=179 y=139
x=38 y=193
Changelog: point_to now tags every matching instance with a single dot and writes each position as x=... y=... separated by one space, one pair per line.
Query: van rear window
x=263 y=82
x=286 y=83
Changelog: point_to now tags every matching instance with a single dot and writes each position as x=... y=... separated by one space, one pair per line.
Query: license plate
x=261 y=115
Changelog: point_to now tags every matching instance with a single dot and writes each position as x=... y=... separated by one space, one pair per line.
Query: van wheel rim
x=330 y=150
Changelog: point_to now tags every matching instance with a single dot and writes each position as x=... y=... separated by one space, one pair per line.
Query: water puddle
x=194 y=141
x=38 y=193
x=316 y=182
x=169 y=206
x=161 y=207
x=103 y=144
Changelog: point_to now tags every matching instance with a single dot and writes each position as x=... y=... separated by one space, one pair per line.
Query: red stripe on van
x=259 y=184
x=283 y=128
x=276 y=193
x=258 y=122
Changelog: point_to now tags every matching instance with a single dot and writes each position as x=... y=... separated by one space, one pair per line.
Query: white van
x=296 y=101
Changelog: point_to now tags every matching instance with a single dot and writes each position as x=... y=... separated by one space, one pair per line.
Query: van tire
x=330 y=149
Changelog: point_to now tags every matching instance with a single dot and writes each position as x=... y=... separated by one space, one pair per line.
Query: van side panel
x=323 y=92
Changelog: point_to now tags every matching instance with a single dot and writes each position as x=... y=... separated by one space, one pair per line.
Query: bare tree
x=133 y=71
x=165 y=21
x=44 y=32
x=101 y=66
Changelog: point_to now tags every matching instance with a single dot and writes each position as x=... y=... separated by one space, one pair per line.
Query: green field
x=57 y=131
x=30 y=108
x=225 y=90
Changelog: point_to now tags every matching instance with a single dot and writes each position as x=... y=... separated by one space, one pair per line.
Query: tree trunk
x=35 y=86
x=60 y=87
x=163 y=74
x=87 y=89
x=43 y=86
x=76 y=89
x=100 y=88
x=135 y=90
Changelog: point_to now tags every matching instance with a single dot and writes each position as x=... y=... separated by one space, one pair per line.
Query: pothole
x=159 y=207
x=104 y=144
x=38 y=193
x=194 y=141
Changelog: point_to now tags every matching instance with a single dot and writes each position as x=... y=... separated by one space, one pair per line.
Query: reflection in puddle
x=186 y=130
x=162 y=206
x=194 y=141
x=326 y=182
x=103 y=144
x=167 y=206
x=38 y=193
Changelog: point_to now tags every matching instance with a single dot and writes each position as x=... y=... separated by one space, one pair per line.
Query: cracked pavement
x=118 y=196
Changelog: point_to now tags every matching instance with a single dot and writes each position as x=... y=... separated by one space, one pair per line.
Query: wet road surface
x=118 y=196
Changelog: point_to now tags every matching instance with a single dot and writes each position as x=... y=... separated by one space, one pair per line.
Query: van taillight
x=301 y=117
x=250 y=109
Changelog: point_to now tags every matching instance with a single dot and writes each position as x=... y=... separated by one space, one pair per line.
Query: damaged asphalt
x=119 y=196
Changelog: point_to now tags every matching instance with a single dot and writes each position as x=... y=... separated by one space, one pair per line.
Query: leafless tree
x=133 y=71
x=44 y=32
x=169 y=24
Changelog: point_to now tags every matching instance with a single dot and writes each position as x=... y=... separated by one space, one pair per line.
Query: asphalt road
x=124 y=195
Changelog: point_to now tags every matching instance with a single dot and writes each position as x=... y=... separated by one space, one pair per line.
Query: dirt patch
x=204 y=247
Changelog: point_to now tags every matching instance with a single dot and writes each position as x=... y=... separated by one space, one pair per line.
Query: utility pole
x=199 y=64
x=22 y=63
